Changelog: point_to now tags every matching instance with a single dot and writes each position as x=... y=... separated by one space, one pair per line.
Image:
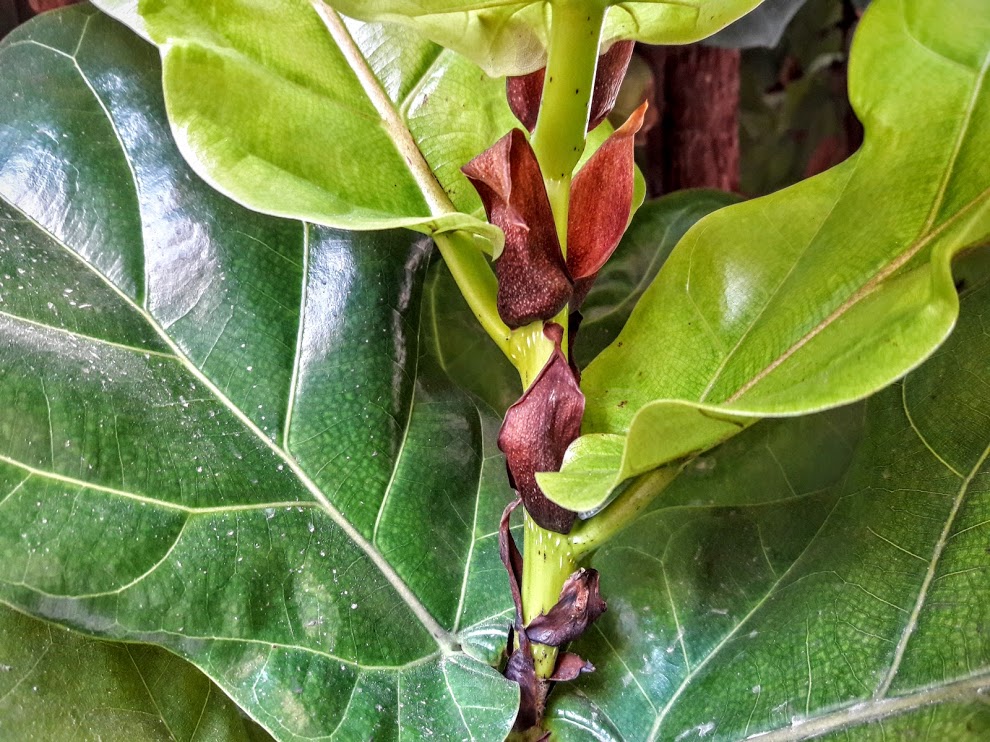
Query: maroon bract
x=600 y=205
x=525 y=91
x=612 y=66
x=511 y=559
x=532 y=279
x=579 y=606
x=538 y=429
x=521 y=669
x=569 y=666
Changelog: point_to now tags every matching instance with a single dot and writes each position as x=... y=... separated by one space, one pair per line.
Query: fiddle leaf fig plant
x=354 y=378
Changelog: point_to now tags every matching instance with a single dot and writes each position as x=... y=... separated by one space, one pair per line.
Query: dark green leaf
x=220 y=432
x=56 y=684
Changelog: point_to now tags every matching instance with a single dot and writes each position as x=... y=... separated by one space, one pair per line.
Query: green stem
x=548 y=562
x=559 y=140
x=590 y=534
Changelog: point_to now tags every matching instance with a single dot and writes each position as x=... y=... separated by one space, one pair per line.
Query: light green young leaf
x=822 y=293
x=588 y=470
x=654 y=231
x=220 y=431
x=293 y=111
x=59 y=685
x=509 y=37
x=809 y=580
x=596 y=464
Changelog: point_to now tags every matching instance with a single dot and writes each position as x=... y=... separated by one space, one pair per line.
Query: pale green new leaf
x=811 y=581
x=826 y=291
x=509 y=37
x=222 y=432
x=293 y=111
x=58 y=685
x=655 y=229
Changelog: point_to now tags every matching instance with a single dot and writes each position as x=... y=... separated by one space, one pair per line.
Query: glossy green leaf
x=220 y=432
x=293 y=111
x=509 y=37
x=588 y=471
x=654 y=231
x=468 y=357
x=56 y=684
x=807 y=579
x=827 y=291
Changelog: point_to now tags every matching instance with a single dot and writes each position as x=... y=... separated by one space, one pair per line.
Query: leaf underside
x=509 y=37
x=294 y=111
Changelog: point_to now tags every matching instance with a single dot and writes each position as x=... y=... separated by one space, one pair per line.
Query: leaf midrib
x=866 y=290
x=943 y=539
x=926 y=236
x=435 y=196
x=858 y=713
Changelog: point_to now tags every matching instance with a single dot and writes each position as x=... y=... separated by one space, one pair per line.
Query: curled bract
x=532 y=278
x=600 y=205
x=538 y=429
x=579 y=606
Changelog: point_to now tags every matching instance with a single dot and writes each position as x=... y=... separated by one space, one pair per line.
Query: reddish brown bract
x=532 y=278
x=538 y=429
x=525 y=91
x=601 y=201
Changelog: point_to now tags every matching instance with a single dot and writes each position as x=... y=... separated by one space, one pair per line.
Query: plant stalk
x=559 y=141
x=559 y=137
x=547 y=562
x=588 y=535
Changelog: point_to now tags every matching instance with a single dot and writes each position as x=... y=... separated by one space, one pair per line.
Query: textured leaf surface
x=509 y=37
x=292 y=111
x=826 y=291
x=55 y=684
x=220 y=431
x=807 y=579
